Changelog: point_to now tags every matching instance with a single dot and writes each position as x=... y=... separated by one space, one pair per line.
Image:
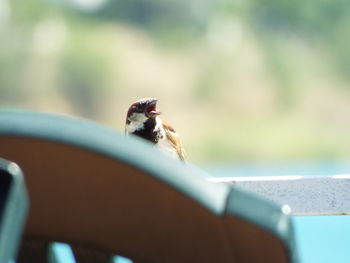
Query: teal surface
x=120 y=259
x=323 y=239
x=267 y=214
x=61 y=253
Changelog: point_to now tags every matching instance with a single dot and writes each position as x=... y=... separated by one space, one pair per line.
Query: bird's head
x=142 y=110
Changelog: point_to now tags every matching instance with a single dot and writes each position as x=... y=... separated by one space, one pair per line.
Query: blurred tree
x=148 y=14
x=323 y=22
x=84 y=71
x=172 y=23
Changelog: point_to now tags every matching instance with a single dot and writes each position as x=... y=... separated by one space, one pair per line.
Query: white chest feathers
x=137 y=122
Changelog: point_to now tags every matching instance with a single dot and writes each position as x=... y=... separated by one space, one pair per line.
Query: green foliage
x=14 y=53
x=316 y=21
x=10 y=72
x=149 y=14
x=260 y=98
x=28 y=13
x=84 y=71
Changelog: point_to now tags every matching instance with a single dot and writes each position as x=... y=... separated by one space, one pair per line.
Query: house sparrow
x=143 y=120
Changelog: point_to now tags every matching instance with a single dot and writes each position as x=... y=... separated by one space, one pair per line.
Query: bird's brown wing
x=174 y=138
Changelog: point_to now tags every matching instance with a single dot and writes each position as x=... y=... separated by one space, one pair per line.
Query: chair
x=13 y=209
x=258 y=229
x=93 y=187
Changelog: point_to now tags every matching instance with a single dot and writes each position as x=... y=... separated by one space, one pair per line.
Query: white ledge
x=306 y=195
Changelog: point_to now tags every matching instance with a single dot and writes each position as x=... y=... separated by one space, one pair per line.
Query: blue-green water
x=298 y=168
x=323 y=239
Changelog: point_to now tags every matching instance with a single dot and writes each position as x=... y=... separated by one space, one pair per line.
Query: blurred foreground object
x=106 y=194
x=13 y=209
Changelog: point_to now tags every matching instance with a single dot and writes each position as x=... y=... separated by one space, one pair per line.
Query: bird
x=143 y=120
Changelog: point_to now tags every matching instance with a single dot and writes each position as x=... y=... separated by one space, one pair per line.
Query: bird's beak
x=151 y=109
x=153 y=113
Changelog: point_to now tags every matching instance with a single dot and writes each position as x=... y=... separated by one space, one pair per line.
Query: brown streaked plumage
x=174 y=138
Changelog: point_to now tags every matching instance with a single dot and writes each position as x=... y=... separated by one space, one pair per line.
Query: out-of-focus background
x=241 y=81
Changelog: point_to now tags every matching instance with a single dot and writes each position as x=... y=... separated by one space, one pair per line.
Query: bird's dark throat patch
x=148 y=132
